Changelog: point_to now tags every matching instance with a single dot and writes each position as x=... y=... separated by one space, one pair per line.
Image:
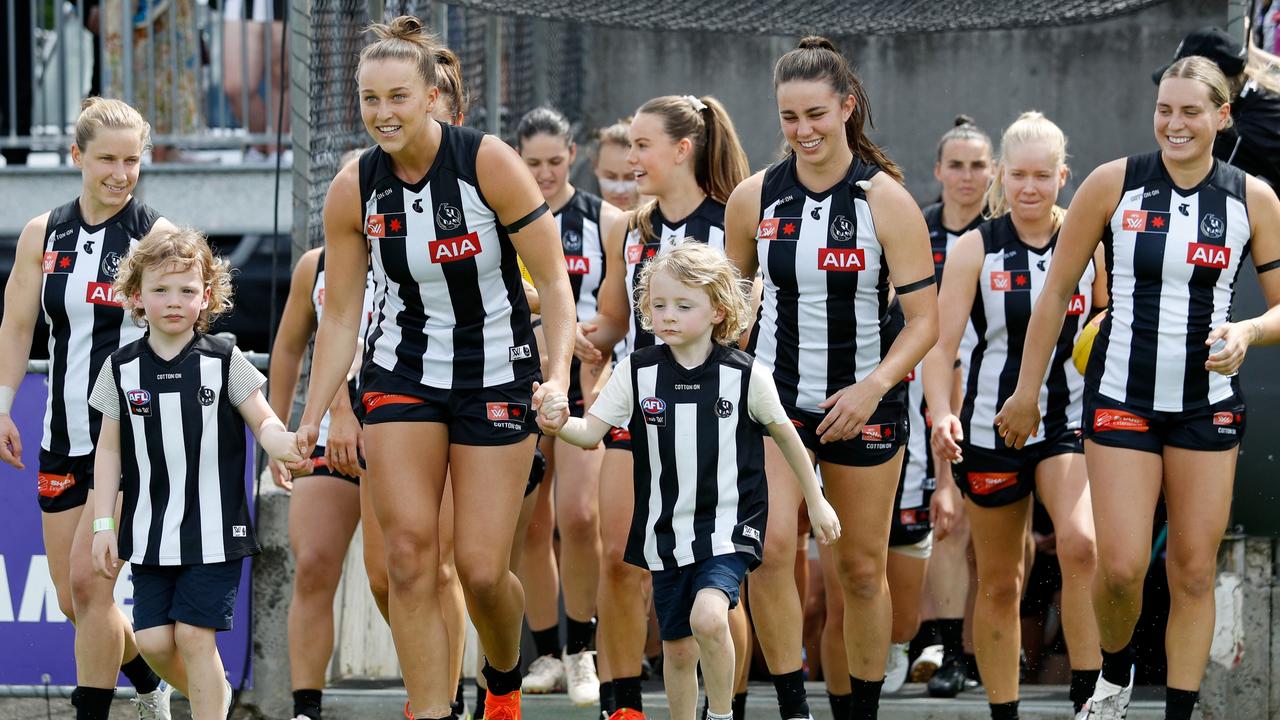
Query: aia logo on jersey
x=385 y=225
x=100 y=293
x=139 y=402
x=1211 y=256
x=505 y=412
x=654 y=410
x=1104 y=419
x=1010 y=280
x=842 y=259
x=987 y=483
x=454 y=249
x=877 y=433
x=448 y=217
x=206 y=395
x=1145 y=221
x=724 y=408
x=1076 y=306
x=778 y=229
x=59 y=263
x=577 y=265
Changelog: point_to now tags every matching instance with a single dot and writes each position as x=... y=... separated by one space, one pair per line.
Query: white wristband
x=6 y=399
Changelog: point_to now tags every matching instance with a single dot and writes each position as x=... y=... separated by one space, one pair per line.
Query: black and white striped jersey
x=696 y=435
x=450 y=307
x=704 y=224
x=1009 y=285
x=1173 y=257
x=317 y=303
x=182 y=450
x=579 y=224
x=918 y=474
x=87 y=321
x=824 y=321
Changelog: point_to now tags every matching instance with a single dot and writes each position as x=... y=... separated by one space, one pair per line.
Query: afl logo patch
x=448 y=217
x=111 y=264
x=724 y=408
x=206 y=395
x=1212 y=226
x=841 y=229
x=654 y=410
x=139 y=402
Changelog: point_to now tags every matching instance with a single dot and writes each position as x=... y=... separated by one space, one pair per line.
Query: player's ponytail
x=816 y=58
x=404 y=38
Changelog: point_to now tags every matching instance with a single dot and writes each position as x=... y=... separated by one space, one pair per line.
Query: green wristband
x=103 y=524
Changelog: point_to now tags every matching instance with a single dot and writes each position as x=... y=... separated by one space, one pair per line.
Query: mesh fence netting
x=828 y=17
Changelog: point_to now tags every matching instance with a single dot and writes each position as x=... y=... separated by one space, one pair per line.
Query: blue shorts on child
x=198 y=595
x=674 y=590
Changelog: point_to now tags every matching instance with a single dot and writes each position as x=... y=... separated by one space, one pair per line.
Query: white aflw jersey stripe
x=1009 y=286
x=451 y=311
x=705 y=224
x=86 y=320
x=825 y=286
x=317 y=303
x=1173 y=256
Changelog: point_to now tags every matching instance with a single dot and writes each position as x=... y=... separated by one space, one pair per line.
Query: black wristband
x=1267 y=267
x=917 y=285
x=519 y=225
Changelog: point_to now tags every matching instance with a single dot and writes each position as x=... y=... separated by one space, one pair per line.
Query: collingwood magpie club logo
x=1212 y=226
x=572 y=242
x=111 y=264
x=206 y=395
x=841 y=229
x=724 y=408
x=448 y=217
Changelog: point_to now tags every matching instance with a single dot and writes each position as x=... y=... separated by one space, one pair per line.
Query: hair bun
x=816 y=42
x=406 y=26
x=962 y=120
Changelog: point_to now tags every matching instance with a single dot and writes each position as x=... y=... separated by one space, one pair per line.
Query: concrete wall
x=1093 y=80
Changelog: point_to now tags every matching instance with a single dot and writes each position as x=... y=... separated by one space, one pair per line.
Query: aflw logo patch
x=454 y=249
x=1212 y=256
x=1145 y=221
x=100 y=293
x=1010 y=280
x=496 y=411
x=58 y=262
x=385 y=225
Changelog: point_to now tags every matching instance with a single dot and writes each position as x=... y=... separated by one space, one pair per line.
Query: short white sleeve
x=105 y=398
x=242 y=378
x=762 y=397
x=616 y=400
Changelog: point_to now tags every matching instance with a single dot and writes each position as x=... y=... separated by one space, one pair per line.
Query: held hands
x=10 y=442
x=847 y=411
x=305 y=439
x=552 y=406
x=106 y=553
x=822 y=518
x=281 y=445
x=1018 y=420
x=1229 y=343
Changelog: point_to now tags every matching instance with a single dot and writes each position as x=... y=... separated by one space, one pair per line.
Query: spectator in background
x=165 y=68
x=1253 y=142
x=253 y=33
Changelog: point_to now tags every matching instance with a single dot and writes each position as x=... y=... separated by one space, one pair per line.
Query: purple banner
x=38 y=640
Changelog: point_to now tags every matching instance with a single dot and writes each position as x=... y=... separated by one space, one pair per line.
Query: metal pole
x=177 y=63
x=126 y=64
x=59 y=36
x=541 y=58
x=12 y=70
x=375 y=11
x=440 y=18
x=493 y=74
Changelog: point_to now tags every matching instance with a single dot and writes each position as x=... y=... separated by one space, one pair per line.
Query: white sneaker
x=546 y=675
x=581 y=679
x=927 y=664
x=895 y=670
x=155 y=704
x=1109 y=701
